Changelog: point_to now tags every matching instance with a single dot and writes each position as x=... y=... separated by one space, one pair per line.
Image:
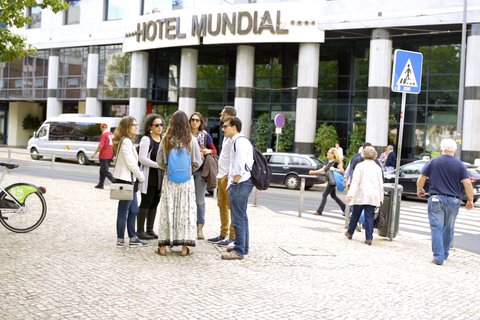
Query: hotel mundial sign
x=228 y=24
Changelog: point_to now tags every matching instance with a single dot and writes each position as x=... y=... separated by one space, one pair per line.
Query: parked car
x=288 y=168
x=409 y=173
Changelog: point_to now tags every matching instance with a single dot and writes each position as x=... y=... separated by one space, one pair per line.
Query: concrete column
x=188 y=81
x=54 y=106
x=379 y=78
x=307 y=94
x=471 y=114
x=138 y=85
x=244 y=74
x=92 y=105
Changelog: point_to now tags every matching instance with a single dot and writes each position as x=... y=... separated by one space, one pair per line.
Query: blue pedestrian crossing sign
x=407 y=71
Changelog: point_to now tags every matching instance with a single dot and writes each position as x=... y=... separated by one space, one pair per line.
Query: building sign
x=228 y=24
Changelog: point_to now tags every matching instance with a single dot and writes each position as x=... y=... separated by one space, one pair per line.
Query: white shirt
x=240 y=157
x=224 y=159
x=340 y=151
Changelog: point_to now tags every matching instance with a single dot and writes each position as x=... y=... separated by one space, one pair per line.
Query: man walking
x=446 y=174
x=105 y=156
x=391 y=161
x=240 y=186
x=223 y=201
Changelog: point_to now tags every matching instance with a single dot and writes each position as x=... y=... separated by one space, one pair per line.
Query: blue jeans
x=442 y=212
x=127 y=214
x=369 y=215
x=238 y=195
x=200 y=187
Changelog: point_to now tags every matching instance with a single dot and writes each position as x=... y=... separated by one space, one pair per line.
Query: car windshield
x=318 y=162
x=474 y=173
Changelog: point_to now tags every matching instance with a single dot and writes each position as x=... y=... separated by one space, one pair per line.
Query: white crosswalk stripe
x=412 y=218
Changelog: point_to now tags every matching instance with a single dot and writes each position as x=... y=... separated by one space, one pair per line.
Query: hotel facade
x=315 y=61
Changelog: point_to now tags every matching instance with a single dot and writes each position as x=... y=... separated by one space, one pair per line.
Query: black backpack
x=261 y=172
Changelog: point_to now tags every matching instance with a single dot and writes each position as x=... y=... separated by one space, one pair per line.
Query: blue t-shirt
x=445 y=174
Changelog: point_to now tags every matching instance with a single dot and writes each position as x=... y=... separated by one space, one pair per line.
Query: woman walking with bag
x=366 y=193
x=178 y=212
x=205 y=142
x=126 y=167
x=334 y=164
x=152 y=186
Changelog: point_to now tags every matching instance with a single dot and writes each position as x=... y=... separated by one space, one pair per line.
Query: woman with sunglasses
x=205 y=142
x=152 y=186
x=126 y=167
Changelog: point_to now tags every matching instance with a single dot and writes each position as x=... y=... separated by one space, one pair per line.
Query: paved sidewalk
x=70 y=268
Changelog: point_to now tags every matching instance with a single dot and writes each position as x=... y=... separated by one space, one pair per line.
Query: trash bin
x=386 y=207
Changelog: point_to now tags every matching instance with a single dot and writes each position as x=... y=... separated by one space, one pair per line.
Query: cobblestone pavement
x=70 y=268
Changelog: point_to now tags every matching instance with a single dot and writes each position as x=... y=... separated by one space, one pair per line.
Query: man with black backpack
x=240 y=185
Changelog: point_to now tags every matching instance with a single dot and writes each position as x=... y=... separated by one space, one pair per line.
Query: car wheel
x=34 y=154
x=292 y=181
x=82 y=158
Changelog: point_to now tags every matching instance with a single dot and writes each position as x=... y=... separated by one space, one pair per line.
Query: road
x=413 y=215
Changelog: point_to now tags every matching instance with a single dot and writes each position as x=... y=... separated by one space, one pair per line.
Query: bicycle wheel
x=27 y=217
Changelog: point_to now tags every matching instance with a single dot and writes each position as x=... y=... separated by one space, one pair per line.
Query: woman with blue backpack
x=179 y=156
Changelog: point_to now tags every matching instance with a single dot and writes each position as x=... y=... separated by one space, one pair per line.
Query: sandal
x=188 y=253
x=159 y=251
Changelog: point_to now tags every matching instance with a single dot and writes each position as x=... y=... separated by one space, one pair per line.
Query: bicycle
x=22 y=205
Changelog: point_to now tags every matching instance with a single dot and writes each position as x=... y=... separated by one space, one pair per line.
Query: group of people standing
x=180 y=206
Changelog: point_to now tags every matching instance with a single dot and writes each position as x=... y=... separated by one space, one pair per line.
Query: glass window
x=299 y=161
x=73 y=73
x=277 y=159
x=72 y=14
x=114 y=74
x=153 y=6
x=114 y=9
x=35 y=14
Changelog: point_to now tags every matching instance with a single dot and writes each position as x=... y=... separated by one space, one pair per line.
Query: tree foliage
x=13 y=46
x=357 y=139
x=262 y=131
x=325 y=138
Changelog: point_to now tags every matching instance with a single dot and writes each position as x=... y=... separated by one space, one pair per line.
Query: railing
x=19 y=156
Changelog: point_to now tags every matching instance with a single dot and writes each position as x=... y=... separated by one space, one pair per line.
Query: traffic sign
x=407 y=71
x=279 y=120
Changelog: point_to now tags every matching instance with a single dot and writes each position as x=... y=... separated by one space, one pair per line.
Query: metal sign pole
x=276 y=146
x=397 y=168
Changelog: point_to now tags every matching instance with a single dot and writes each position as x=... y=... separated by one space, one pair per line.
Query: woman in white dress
x=178 y=209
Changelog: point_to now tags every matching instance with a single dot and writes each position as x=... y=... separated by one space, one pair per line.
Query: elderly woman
x=366 y=193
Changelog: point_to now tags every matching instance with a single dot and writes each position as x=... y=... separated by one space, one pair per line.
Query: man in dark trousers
x=391 y=159
x=105 y=156
x=446 y=175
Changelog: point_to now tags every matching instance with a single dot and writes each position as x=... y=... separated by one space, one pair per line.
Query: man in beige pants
x=227 y=233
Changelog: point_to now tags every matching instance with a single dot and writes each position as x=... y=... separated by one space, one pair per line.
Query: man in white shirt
x=223 y=201
x=339 y=150
x=240 y=186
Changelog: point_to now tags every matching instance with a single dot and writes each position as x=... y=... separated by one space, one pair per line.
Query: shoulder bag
x=122 y=190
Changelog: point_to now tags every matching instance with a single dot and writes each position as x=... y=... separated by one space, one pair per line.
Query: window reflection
x=73 y=73
x=114 y=76
x=114 y=10
x=72 y=14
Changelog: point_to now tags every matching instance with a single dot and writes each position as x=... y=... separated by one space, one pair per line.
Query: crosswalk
x=413 y=220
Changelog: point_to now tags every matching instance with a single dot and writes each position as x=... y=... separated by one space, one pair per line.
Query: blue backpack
x=179 y=165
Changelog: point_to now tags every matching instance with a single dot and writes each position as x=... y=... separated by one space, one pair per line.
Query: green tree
x=262 y=131
x=325 y=138
x=31 y=122
x=285 y=141
x=357 y=139
x=13 y=46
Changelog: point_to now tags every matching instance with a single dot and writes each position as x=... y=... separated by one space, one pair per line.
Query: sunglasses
x=156 y=125
x=226 y=125
x=195 y=120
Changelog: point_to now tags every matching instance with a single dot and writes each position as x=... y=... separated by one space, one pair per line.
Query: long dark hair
x=148 y=122
x=123 y=131
x=178 y=131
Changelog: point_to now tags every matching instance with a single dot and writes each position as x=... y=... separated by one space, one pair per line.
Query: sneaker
x=225 y=242
x=120 y=243
x=216 y=239
x=99 y=186
x=348 y=235
x=437 y=263
x=231 y=256
x=369 y=242
x=138 y=243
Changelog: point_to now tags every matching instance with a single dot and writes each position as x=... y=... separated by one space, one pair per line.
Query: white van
x=69 y=136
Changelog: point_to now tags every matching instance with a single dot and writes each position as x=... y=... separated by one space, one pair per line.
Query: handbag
x=121 y=191
x=339 y=181
x=331 y=178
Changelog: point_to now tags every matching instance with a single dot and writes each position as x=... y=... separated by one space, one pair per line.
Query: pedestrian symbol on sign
x=407 y=78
